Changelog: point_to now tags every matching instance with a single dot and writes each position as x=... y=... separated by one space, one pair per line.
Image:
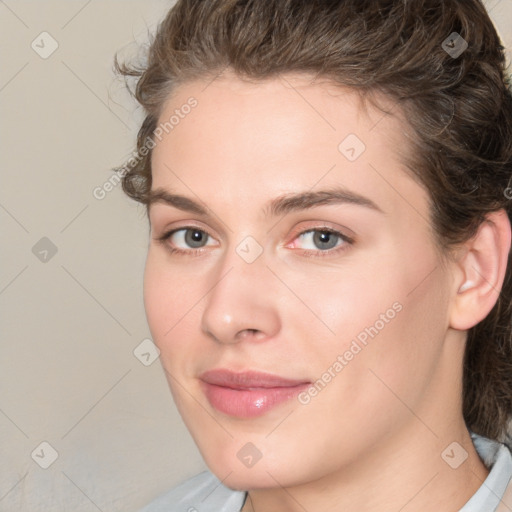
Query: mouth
x=248 y=394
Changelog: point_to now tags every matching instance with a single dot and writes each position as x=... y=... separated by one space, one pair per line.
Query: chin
x=246 y=479
x=263 y=474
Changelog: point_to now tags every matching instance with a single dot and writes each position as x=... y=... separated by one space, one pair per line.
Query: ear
x=480 y=271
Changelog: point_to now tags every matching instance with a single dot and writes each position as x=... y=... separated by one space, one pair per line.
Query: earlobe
x=482 y=271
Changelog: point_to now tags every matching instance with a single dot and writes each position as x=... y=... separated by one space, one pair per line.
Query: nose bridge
x=240 y=298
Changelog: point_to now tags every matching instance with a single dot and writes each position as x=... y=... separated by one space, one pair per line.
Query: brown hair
x=458 y=106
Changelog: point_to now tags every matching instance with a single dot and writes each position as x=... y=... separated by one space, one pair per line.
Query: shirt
x=205 y=493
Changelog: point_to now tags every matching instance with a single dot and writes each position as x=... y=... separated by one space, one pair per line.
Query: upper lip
x=248 y=379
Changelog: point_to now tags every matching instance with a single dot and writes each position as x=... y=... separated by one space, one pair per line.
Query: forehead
x=281 y=102
x=278 y=135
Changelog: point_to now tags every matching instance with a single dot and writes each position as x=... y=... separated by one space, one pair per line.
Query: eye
x=318 y=242
x=322 y=240
x=186 y=240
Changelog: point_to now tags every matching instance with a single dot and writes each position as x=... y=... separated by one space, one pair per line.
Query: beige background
x=70 y=324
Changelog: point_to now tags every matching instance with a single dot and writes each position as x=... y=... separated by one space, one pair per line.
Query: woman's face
x=302 y=315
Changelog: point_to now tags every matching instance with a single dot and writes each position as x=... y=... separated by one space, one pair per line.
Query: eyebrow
x=279 y=206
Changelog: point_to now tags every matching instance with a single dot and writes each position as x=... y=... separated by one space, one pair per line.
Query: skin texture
x=372 y=438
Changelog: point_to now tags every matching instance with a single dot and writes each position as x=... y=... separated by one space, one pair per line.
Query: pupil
x=325 y=238
x=194 y=237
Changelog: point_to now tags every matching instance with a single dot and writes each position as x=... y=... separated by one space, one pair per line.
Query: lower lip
x=249 y=403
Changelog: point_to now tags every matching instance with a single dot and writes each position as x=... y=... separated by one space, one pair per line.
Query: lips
x=248 y=394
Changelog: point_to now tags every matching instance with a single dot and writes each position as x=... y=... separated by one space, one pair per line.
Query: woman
x=328 y=277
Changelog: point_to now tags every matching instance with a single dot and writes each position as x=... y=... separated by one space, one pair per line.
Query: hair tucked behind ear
x=459 y=108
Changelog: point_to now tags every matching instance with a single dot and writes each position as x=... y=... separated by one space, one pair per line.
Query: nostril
x=244 y=332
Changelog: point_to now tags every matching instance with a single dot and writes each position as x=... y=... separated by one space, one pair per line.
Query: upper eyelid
x=295 y=233
x=317 y=224
x=339 y=231
x=167 y=233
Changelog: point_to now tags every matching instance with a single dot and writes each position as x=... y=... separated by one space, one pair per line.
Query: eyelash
x=307 y=253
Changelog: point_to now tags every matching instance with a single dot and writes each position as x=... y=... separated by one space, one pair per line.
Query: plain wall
x=70 y=321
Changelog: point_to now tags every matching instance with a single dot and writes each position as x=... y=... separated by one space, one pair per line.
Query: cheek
x=362 y=395
x=352 y=299
x=388 y=316
x=157 y=299
x=168 y=302
x=402 y=345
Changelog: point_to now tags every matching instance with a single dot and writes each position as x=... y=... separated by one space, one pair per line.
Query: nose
x=243 y=302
